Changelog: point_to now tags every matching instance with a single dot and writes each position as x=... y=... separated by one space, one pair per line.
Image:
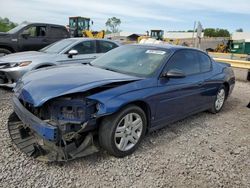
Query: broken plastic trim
x=34 y=146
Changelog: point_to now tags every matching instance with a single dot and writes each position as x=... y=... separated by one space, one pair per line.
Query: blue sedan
x=67 y=112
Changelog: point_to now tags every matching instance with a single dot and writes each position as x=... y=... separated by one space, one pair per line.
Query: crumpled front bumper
x=43 y=129
x=41 y=140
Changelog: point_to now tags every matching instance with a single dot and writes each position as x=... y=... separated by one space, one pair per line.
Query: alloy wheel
x=128 y=131
x=220 y=98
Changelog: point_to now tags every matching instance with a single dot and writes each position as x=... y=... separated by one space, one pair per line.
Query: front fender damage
x=62 y=129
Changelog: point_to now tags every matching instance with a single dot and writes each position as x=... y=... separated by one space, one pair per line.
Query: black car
x=33 y=36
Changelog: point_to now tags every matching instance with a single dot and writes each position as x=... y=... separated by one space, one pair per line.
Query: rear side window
x=105 y=46
x=186 y=61
x=58 y=32
x=86 y=47
x=205 y=62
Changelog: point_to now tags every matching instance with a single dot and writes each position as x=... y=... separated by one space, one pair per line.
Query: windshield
x=17 y=28
x=135 y=60
x=57 y=47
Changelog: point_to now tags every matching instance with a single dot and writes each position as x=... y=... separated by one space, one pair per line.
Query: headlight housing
x=24 y=63
x=21 y=64
x=72 y=110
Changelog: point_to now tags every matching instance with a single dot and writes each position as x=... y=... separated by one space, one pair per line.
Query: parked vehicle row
x=31 y=36
x=66 y=112
x=66 y=51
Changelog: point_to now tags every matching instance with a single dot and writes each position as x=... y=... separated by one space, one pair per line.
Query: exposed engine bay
x=70 y=124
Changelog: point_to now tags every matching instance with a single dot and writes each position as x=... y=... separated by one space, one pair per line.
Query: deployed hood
x=24 y=56
x=39 y=86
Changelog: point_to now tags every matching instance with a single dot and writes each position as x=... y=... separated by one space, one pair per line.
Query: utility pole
x=198 y=35
x=193 y=39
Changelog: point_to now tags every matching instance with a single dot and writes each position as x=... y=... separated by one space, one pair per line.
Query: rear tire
x=121 y=133
x=219 y=100
x=4 y=52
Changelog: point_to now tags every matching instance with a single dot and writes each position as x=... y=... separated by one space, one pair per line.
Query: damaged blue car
x=66 y=112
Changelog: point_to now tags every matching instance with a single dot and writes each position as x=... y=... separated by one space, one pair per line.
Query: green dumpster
x=240 y=46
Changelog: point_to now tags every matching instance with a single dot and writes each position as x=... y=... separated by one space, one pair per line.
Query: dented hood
x=41 y=85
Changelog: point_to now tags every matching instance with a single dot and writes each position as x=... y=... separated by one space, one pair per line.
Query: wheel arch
x=43 y=65
x=7 y=48
x=141 y=104
x=227 y=87
x=145 y=107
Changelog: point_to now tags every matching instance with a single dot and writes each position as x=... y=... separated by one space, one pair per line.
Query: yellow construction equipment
x=154 y=34
x=94 y=34
x=157 y=35
x=80 y=27
x=221 y=48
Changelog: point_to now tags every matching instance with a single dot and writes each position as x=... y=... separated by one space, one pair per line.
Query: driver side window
x=184 y=60
x=86 y=47
x=36 y=31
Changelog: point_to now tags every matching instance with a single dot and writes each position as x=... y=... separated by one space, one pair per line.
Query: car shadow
x=6 y=89
x=151 y=140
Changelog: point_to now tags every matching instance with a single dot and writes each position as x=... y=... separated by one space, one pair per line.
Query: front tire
x=4 y=52
x=219 y=100
x=121 y=133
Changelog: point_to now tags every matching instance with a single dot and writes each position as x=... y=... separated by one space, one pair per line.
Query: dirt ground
x=204 y=150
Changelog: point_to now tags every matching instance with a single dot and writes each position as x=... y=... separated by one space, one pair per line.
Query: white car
x=71 y=50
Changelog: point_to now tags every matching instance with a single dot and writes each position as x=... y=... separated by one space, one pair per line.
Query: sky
x=136 y=15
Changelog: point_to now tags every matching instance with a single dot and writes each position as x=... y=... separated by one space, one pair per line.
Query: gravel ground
x=204 y=150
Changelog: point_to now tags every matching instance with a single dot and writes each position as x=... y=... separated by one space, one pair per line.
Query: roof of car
x=168 y=46
x=79 y=39
x=40 y=23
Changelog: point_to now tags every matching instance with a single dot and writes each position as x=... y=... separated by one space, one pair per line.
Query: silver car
x=72 y=50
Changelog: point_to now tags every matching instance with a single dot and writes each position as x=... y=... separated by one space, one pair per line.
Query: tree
x=108 y=31
x=6 y=24
x=112 y=24
x=211 y=32
x=239 y=30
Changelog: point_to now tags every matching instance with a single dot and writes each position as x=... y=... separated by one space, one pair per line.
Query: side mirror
x=71 y=53
x=174 y=73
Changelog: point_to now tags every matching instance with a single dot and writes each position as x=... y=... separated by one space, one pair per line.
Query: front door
x=86 y=52
x=33 y=38
x=180 y=96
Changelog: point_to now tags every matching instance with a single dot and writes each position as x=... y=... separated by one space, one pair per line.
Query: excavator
x=80 y=27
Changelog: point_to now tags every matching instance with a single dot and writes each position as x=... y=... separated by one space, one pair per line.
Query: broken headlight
x=72 y=113
x=76 y=111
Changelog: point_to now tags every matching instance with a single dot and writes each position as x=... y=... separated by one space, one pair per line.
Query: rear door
x=57 y=33
x=35 y=38
x=180 y=96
